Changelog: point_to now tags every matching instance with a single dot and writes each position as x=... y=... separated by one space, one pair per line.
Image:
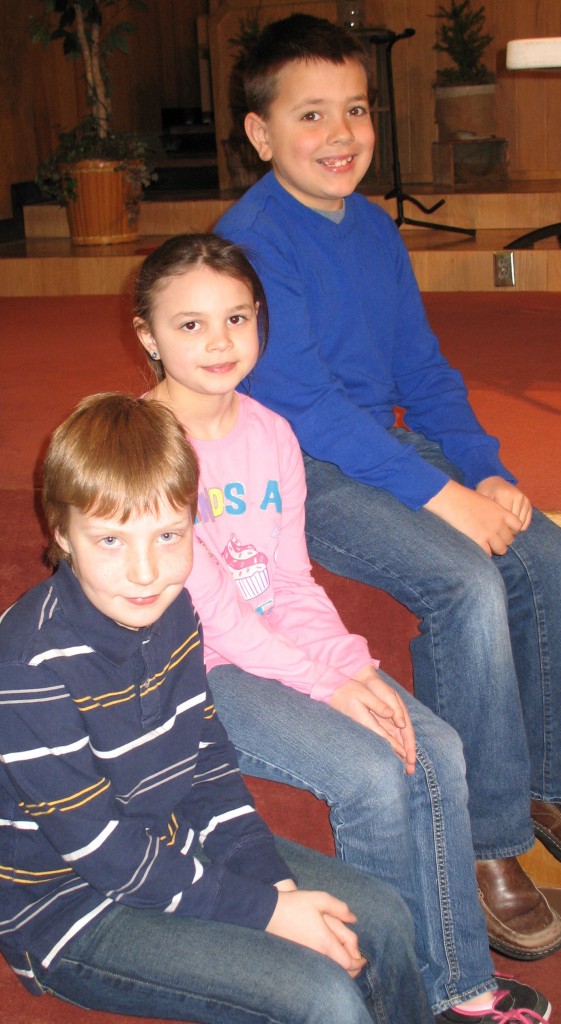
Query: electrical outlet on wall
x=503 y=268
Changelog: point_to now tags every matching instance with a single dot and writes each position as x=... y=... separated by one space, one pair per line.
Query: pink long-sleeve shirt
x=251 y=580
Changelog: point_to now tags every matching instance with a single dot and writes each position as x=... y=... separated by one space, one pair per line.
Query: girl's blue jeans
x=412 y=832
x=151 y=964
x=488 y=655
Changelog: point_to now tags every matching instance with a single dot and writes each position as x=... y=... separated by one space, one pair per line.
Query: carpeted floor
x=508 y=346
x=56 y=350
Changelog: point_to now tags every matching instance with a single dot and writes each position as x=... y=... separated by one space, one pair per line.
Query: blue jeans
x=411 y=832
x=488 y=655
x=151 y=964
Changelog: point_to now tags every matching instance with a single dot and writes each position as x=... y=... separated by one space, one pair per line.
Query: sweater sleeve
x=302 y=642
x=378 y=316
x=432 y=392
x=230 y=830
x=302 y=609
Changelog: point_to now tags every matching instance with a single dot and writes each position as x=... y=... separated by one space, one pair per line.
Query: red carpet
x=56 y=350
x=59 y=351
x=508 y=346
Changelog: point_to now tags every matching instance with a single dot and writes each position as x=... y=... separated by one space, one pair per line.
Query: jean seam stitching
x=441 y=871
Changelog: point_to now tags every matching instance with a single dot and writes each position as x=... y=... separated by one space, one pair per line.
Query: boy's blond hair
x=114 y=456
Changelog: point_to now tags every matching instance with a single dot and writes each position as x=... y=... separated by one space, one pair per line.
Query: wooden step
x=158 y=216
x=52 y=266
x=46 y=263
x=514 y=207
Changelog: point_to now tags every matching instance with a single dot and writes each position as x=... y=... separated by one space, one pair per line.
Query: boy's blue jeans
x=151 y=964
x=488 y=655
x=412 y=832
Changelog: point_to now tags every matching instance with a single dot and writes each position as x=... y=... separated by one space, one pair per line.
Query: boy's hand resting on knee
x=371 y=702
x=491 y=516
x=320 y=922
x=509 y=496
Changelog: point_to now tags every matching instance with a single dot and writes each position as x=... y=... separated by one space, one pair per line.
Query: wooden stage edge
x=45 y=262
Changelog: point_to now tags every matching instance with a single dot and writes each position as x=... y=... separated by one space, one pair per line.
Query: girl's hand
x=320 y=922
x=373 y=703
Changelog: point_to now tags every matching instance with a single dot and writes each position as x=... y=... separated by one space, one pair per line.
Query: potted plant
x=244 y=165
x=96 y=172
x=464 y=89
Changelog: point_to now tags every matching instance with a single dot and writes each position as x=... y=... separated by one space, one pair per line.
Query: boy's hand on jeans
x=320 y=922
x=371 y=702
x=509 y=496
x=481 y=518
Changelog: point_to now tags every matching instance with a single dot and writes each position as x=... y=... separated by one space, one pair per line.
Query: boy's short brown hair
x=113 y=456
x=300 y=37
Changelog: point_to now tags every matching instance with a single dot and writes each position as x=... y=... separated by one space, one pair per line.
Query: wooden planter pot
x=100 y=214
x=467 y=109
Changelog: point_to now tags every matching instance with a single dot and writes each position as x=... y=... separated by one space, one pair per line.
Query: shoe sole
x=521 y=954
x=545 y=837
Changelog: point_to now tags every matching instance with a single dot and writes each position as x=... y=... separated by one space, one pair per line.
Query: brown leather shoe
x=547 y=825
x=520 y=921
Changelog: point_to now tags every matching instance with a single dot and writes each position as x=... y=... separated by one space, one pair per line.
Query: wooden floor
x=45 y=262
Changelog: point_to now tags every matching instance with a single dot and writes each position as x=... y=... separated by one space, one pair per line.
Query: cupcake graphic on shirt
x=248 y=567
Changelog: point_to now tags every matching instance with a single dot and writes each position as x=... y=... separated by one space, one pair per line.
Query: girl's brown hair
x=188 y=252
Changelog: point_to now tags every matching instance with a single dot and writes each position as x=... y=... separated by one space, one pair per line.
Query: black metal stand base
x=401 y=197
x=529 y=240
x=388 y=39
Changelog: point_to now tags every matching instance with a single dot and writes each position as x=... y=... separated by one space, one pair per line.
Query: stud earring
x=154 y=355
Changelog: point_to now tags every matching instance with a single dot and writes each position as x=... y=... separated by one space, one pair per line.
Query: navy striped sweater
x=113 y=769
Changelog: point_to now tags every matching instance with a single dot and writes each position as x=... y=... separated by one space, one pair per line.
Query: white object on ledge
x=523 y=54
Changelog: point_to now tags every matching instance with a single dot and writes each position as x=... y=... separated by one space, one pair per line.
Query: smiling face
x=318 y=131
x=130 y=571
x=204 y=329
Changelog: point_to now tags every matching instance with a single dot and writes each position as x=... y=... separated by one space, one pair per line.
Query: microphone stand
x=388 y=39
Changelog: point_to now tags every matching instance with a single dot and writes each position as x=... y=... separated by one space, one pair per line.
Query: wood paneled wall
x=412 y=62
x=527 y=102
x=39 y=90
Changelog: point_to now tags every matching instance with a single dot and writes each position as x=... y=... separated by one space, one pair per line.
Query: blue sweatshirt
x=350 y=340
x=113 y=769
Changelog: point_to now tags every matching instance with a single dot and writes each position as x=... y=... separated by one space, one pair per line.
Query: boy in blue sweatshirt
x=136 y=876
x=428 y=513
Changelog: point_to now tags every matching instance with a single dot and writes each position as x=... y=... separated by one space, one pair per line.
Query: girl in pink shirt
x=301 y=698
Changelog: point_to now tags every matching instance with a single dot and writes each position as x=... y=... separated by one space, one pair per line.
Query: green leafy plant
x=461 y=36
x=57 y=181
x=90 y=31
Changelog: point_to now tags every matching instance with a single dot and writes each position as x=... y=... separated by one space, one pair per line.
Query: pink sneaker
x=514 y=1003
